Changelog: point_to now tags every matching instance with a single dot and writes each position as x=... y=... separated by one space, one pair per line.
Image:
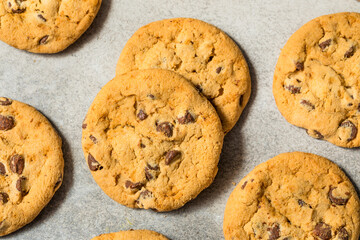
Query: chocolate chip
x=293 y=89
x=198 y=88
x=17 y=163
x=93 y=164
x=218 y=70
x=343 y=234
x=187 y=118
x=301 y=203
x=18 y=10
x=172 y=156
x=84 y=125
x=244 y=185
x=325 y=44
x=299 y=66
x=151 y=96
x=131 y=185
x=274 y=232
x=41 y=17
x=6 y=122
x=166 y=128
x=142 y=145
x=4 y=197
x=148 y=174
x=5 y=101
x=20 y=185
x=156 y=167
x=93 y=139
x=322 y=231
x=349 y=52
x=308 y=105
x=335 y=200
x=315 y=134
x=142 y=115
x=354 y=130
x=43 y=40
x=2 y=169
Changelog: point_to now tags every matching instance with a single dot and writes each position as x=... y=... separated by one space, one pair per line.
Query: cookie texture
x=31 y=164
x=293 y=196
x=316 y=81
x=132 y=234
x=45 y=26
x=201 y=53
x=151 y=140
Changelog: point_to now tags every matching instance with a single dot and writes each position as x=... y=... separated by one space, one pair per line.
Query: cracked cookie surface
x=131 y=234
x=45 y=26
x=31 y=164
x=151 y=140
x=294 y=196
x=201 y=53
x=316 y=82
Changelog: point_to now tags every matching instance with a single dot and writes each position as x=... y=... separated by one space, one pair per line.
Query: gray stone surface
x=62 y=86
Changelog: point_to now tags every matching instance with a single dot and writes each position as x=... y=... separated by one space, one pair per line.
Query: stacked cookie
x=152 y=137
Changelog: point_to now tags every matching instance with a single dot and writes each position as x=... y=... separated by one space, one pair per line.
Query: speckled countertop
x=62 y=87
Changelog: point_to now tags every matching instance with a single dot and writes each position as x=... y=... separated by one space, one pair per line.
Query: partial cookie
x=31 y=164
x=131 y=234
x=200 y=52
x=151 y=140
x=45 y=26
x=293 y=196
x=316 y=82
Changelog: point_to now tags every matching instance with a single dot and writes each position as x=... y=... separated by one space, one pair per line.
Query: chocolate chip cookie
x=45 y=26
x=131 y=234
x=151 y=140
x=31 y=164
x=200 y=52
x=294 y=196
x=316 y=84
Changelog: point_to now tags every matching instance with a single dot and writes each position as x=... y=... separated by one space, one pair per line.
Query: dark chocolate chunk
x=43 y=40
x=4 y=197
x=343 y=234
x=292 y=89
x=349 y=53
x=218 y=70
x=187 y=118
x=299 y=66
x=5 y=101
x=142 y=115
x=354 y=130
x=322 y=231
x=131 y=185
x=274 y=232
x=6 y=122
x=17 y=163
x=335 y=200
x=166 y=128
x=171 y=156
x=93 y=164
x=325 y=44
x=308 y=105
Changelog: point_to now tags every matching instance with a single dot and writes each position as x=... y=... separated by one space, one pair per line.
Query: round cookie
x=293 y=196
x=201 y=53
x=45 y=26
x=316 y=84
x=131 y=234
x=31 y=164
x=151 y=140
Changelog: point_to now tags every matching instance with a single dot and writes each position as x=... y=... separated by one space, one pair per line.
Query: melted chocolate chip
x=343 y=234
x=151 y=96
x=274 y=232
x=2 y=169
x=308 y=105
x=4 y=197
x=166 y=128
x=142 y=115
x=171 y=156
x=187 y=118
x=93 y=164
x=93 y=139
x=349 y=53
x=43 y=40
x=20 y=185
x=293 y=89
x=244 y=185
x=322 y=231
x=18 y=10
x=335 y=200
x=131 y=185
x=17 y=164
x=325 y=44
x=354 y=130
x=41 y=17
x=299 y=66
x=218 y=70
x=6 y=122
x=5 y=101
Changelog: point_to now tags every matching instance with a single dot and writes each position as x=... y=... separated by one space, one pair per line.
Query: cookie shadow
x=51 y=208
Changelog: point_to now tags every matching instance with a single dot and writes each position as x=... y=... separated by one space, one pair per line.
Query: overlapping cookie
x=316 y=81
x=151 y=140
x=45 y=26
x=201 y=53
x=293 y=196
x=31 y=164
x=132 y=234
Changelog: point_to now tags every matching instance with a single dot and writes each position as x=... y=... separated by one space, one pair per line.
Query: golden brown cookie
x=316 y=84
x=132 y=235
x=31 y=164
x=45 y=26
x=294 y=196
x=201 y=53
x=151 y=140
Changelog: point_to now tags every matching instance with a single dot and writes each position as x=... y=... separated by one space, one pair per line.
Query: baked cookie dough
x=45 y=26
x=293 y=196
x=31 y=164
x=201 y=53
x=132 y=235
x=316 y=81
x=151 y=140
